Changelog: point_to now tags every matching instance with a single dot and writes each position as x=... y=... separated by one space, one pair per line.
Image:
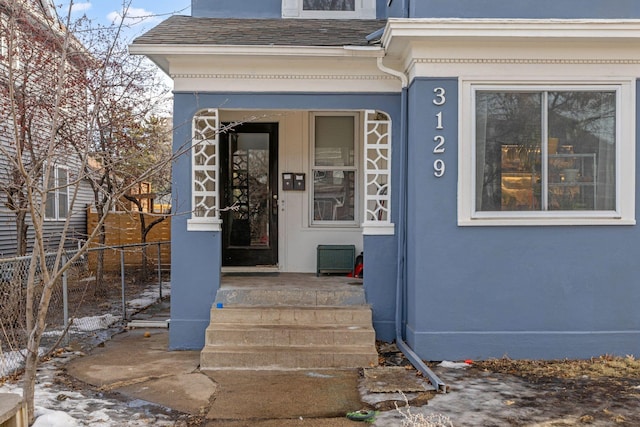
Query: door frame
x=247 y=256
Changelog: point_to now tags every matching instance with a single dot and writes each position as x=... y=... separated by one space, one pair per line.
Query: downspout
x=415 y=360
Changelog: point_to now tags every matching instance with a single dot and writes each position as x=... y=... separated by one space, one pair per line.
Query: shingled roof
x=188 y=30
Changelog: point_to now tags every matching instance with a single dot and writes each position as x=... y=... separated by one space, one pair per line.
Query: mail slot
x=287 y=181
x=293 y=181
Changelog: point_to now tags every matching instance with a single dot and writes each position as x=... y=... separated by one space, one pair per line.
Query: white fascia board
x=401 y=32
x=273 y=50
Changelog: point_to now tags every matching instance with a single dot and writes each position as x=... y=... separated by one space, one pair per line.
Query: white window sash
x=55 y=192
x=351 y=168
x=624 y=212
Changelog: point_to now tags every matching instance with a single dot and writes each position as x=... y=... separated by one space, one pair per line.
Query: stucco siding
x=539 y=9
x=524 y=292
x=196 y=257
x=251 y=8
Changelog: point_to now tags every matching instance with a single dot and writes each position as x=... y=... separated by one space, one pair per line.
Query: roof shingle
x=189 y=30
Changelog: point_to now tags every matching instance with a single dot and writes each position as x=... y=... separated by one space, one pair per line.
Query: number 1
x=439 y=117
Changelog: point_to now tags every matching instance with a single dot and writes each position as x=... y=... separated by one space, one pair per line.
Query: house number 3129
x=438 y=164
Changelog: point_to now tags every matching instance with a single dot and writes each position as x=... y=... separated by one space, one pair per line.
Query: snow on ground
x=11 y=361
x=149 y=296
x=57 y=405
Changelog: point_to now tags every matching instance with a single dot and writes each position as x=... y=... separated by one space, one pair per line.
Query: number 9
x=438 y=168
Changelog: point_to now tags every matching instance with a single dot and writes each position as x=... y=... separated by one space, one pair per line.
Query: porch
x=270 y=320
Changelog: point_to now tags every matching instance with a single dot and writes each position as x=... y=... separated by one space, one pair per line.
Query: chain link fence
x=83 y=310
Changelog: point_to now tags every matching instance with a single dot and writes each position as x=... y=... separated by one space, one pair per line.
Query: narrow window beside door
x=334 y=169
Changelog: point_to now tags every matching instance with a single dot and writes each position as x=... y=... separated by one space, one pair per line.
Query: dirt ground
x=603 y=391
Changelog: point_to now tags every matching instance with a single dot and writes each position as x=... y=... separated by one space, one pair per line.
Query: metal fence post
x=65 y=300
x=159 y=271
x=124 y=303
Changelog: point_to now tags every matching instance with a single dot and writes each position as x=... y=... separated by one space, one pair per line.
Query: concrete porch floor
x=289 y=280
x=289 y=289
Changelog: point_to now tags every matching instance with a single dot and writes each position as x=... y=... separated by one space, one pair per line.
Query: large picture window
x=546 y=153
x=334 y=169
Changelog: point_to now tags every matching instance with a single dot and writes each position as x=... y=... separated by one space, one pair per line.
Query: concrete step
x=298 y=296
x=220 y=334
x=289 y=325
x=292 y=357
x=359 y=315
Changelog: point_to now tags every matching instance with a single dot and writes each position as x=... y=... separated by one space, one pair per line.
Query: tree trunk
x=101 y=288
x=33 y=344
x=21 y=233
x=29 y=384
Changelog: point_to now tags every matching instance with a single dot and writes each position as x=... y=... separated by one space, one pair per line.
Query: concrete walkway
x=137 y=364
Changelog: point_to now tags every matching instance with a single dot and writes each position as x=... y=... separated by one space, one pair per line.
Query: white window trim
x=356 y=167
x=624 y=213
x=55 y=191
x=16 y=64
x=365 y=9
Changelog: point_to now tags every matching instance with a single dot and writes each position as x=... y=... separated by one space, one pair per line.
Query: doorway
x=249 y=187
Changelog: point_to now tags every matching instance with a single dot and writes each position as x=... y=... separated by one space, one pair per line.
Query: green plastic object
x=367 y=416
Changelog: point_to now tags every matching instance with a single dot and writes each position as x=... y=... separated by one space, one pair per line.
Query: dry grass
x=410 y=419
x=598 y=367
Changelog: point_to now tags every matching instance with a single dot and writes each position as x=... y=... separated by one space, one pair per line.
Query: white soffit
x=280 y=68
x=449 y=46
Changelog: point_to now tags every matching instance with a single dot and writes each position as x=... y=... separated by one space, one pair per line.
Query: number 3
x=440 y=99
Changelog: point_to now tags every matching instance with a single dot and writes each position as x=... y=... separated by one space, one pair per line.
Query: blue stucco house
x=482 y=155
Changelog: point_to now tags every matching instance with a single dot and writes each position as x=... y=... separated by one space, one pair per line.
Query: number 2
x=438 y=149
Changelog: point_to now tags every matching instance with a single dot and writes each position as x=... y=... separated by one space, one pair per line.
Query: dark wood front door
x=248 y=174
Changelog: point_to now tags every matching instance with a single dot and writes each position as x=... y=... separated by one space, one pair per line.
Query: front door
x=248 y=174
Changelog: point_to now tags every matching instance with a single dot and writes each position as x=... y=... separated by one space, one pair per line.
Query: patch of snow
x=150 y=296
x=454 y=365
x=48 y=418
x=94 y=323
x=11 y=361
x=57 y=406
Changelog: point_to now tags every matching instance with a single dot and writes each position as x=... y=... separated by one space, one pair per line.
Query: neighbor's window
x=545 y=150
x=334 y=169
x=57 y=205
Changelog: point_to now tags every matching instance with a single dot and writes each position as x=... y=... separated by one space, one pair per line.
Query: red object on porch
x=357 y=271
